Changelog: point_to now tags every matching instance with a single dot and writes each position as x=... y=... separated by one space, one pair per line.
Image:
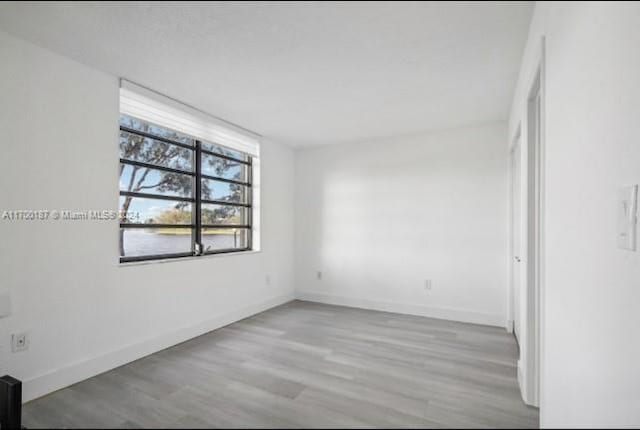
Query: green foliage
x=173 y=216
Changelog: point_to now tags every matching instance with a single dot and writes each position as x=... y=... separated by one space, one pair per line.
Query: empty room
x=319 y=214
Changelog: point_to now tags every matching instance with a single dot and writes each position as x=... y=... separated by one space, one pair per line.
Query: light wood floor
x=308 y=365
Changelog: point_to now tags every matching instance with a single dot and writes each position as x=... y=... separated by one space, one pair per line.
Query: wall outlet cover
x=627 y=217
x=19 y=342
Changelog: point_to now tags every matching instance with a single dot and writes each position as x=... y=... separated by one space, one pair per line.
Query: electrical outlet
x=19 y=342
x=319 y=275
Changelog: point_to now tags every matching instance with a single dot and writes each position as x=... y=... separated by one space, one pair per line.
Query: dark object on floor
x=10 y=403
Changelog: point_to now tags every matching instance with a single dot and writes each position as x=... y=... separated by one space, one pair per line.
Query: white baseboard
x=527 y=397
x=521 y=381
x=509 y=326
x=461 y=315
x=63 y=377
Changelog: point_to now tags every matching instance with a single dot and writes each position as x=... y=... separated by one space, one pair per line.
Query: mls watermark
x=68 y=215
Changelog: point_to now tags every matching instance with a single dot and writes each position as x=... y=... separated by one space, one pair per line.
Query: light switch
x=627 y=218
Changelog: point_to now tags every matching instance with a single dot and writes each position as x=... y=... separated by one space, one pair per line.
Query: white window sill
x=200 y=257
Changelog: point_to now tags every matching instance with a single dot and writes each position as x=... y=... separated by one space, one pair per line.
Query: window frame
x=196 y=226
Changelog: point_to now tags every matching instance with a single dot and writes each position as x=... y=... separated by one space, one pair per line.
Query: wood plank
x=308 y=365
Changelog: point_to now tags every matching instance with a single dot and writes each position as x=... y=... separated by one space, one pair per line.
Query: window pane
x=136 y=124
x=136 y=242
x=224 y=238
x=223 y=214
x=176 y=236
x=225 y=151
x=216 y=190
x=154 y=211
x=143 y=149
x=144 y=180
x=220 y=167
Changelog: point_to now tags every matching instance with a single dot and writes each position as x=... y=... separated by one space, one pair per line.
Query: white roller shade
x=155 y=108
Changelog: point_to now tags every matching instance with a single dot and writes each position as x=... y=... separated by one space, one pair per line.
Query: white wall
x=379 y=218
x=85 y=314
x=591 y=298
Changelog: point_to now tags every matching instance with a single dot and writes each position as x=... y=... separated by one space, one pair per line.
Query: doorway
x=534 y=247
x=527 y=236
x=516 y=240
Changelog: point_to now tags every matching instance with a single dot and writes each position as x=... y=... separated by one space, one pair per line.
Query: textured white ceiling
x=301 y=73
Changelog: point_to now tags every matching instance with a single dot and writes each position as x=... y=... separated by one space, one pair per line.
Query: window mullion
x=198 y=209
x=250 y=201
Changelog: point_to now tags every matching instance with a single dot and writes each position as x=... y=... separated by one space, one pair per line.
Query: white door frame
x=513 y=252
x=532 y=239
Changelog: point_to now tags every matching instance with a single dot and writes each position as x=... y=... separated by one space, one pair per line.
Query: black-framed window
x=180 y=196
